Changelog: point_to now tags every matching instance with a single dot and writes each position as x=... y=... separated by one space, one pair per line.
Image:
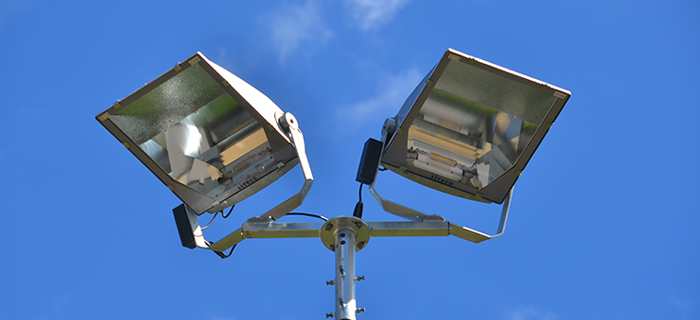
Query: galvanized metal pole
x=346 y=306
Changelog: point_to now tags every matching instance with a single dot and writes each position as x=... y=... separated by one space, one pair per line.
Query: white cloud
x=298 y=27
x=9 y=8
x=685 y=307
x=372 y=14
x=529 y=313
x=392 y=91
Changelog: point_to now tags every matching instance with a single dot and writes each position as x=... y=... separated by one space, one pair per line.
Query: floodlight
x=210 y=137
x=470 y=127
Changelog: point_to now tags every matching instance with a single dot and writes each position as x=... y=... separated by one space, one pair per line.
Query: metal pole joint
x=345 y=235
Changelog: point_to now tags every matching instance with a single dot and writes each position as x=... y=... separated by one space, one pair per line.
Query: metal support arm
x=435 y=228
x=345 y=235
x=289 y=123
x=454 y=229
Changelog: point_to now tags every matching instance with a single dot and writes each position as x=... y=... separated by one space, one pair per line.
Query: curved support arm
x=430 y=226
x=395 y=208
x=291 y=126
x=476 y=236
x=454 y=229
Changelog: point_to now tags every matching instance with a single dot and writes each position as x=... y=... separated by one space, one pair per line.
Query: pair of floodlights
x=468 y=129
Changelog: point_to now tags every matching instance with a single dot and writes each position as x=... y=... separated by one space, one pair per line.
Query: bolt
x=360 y=278
x=329 y=227
x=342 y=242
x=342 y=235
x=342 y=271
x=330 y=283
x=332 y=247
x=330 y=315
x=361 y=245
x=358 y=224
x=360 y=310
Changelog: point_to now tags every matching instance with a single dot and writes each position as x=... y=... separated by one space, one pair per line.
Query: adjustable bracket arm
x=290 y=125
x=258 y=228
x=454 y=229
x=422 y=225
x=476 y=236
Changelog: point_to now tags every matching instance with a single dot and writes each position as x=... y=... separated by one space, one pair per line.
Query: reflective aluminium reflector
x=470 y=127
x=209 y=136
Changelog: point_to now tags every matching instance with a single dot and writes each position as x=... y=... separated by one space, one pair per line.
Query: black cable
x=229 y=212
x=359 y=206
x=308 y=215
x=216 y=214
x=360 y=192
x=220 y=253
x=224 y=256
x=212 y=220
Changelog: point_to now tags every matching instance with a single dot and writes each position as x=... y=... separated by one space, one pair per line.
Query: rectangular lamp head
x=470 y=127
x=209 y=136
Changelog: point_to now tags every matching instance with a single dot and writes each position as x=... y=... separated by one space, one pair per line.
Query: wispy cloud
x=373 y=14
x=8 y=8
x=686 y=307
x=529 y=313
x=392 y=91
x=293 y=27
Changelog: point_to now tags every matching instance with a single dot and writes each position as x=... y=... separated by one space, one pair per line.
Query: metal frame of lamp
x=408 y=147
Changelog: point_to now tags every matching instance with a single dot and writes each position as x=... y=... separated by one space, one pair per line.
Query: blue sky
x=603 y=223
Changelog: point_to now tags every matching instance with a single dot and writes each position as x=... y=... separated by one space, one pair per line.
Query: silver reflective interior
x=474 y=125
x=198 y=133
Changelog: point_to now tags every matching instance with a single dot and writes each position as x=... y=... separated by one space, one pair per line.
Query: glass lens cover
x=474 y=125
x=198 y=133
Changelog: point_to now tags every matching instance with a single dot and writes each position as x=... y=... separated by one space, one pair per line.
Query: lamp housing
x=470 y=127
x=209 y=136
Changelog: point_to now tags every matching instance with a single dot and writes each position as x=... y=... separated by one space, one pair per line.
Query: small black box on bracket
x=369 y=163
x=187 y=223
